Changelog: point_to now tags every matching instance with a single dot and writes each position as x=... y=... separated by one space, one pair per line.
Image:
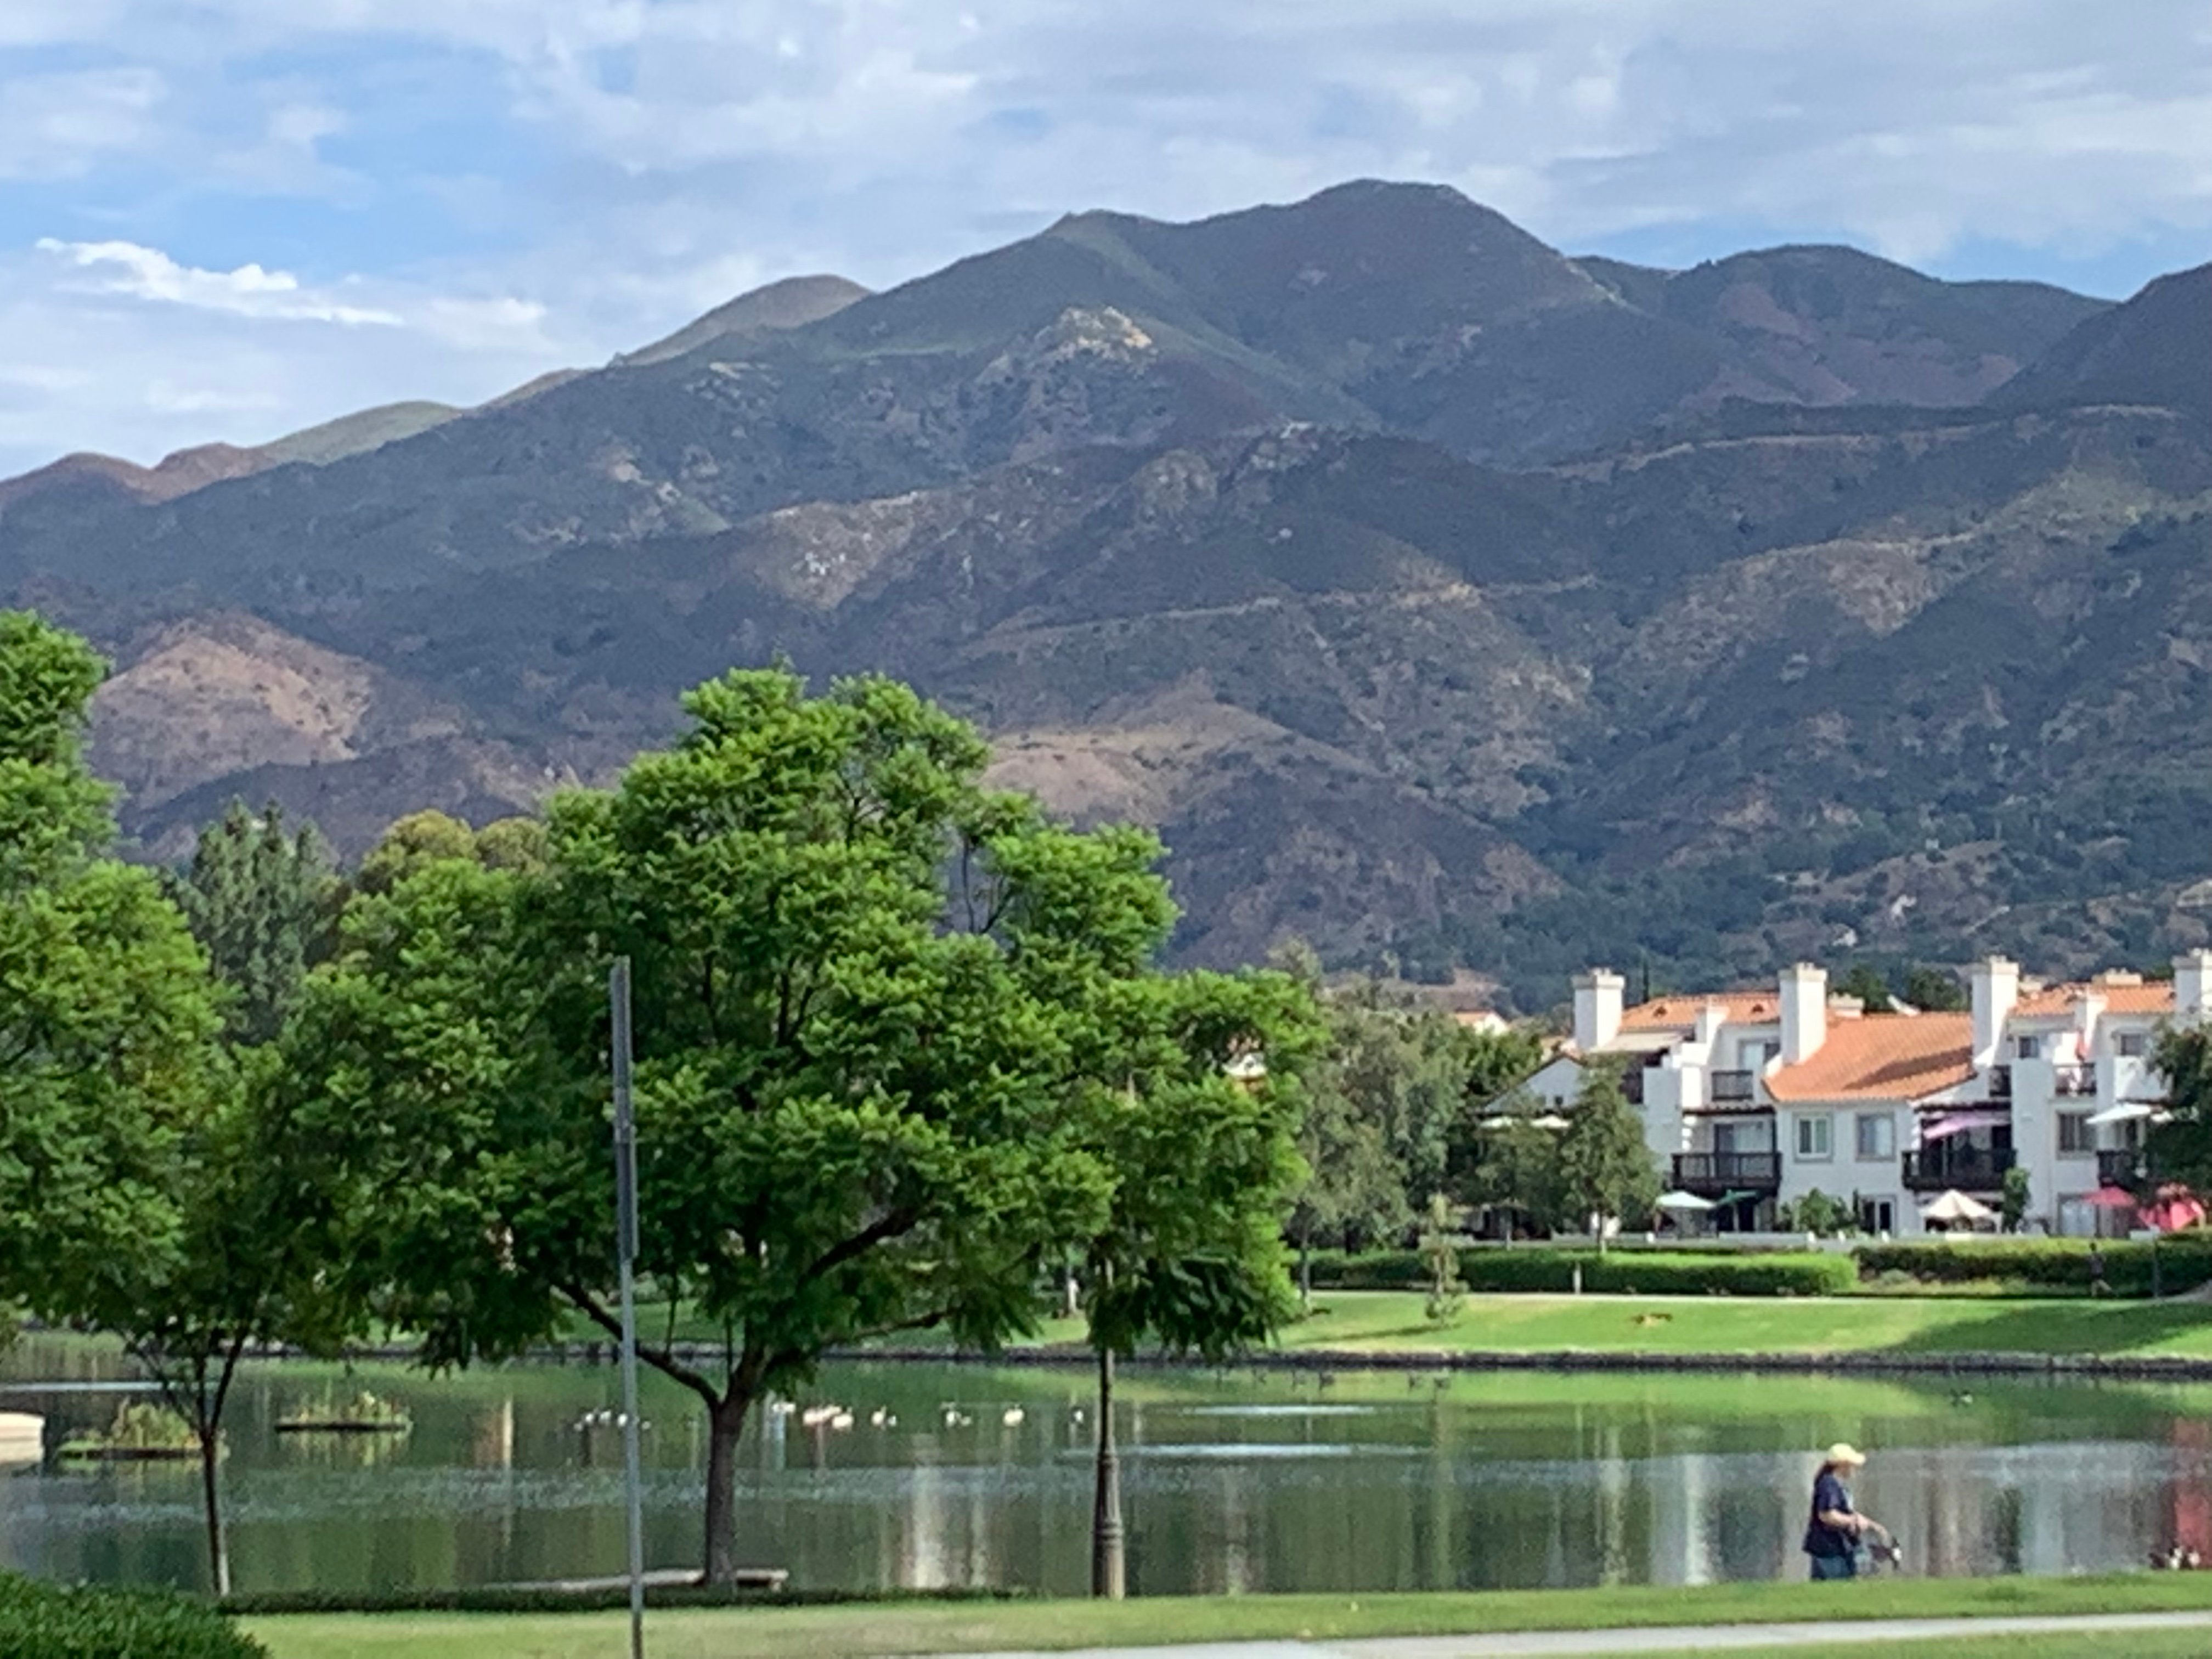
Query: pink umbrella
x=2110 y=1198
x=2175 y=1208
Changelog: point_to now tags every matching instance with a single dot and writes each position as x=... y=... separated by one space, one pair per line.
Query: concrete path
x=1694 y=1638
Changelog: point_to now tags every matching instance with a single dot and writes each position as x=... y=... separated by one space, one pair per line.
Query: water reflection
x=955 y=1476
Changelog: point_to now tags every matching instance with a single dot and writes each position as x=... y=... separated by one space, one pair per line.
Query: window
x=1815 y=1136
x=2026 y=1047
x=2075 y=1134
x=1878 y=1215
x=2131 y=1045
x=1877 y=1135
x=1759 y=1055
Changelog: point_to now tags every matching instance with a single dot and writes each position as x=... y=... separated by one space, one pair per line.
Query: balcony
x=1728 y=1172
x=1970 y=1168
x=2124 y=1166
x=1733 y=1088
x=2074 y=1081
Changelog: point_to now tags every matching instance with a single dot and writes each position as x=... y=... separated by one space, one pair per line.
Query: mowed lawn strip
x=883 y=1628
x=1394 y=1322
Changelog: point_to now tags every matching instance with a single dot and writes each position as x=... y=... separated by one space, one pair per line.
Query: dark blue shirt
x=1829 y=1498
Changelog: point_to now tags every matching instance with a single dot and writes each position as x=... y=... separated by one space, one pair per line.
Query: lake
x=1233 y=1482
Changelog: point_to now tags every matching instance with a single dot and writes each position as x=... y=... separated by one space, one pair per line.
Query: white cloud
x=61 y=124
x=145 y=273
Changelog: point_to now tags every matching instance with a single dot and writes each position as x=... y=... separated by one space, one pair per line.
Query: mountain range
x=1444 y=598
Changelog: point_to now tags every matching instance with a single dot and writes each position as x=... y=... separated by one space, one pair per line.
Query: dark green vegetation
x=1631 y=1272
x=46 y=1621
x=1586 y=613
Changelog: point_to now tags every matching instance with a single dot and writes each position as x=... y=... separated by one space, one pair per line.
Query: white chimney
x=1804 y=1011
x=1994 y=987
x=2192 y=985
x=1597 y=1007
x=1711 y=1017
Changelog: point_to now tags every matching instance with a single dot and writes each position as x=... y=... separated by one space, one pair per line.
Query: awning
x=1957 y=1124
x=2126 y=1112
x=1738 y=1198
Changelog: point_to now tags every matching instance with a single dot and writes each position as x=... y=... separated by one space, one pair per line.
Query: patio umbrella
x=2110 y=1198
x=1955 y=1205
x=1679 y=1200
x=2176 y=1207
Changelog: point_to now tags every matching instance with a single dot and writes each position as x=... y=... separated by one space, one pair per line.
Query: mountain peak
x=789 y=302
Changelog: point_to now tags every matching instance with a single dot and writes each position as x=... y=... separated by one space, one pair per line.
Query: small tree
x=1605 y=1170
x=2180 y=1148
x=2013 y=1199
x=1513 y=1164
x=1440 y=1252
x=260 y=901
x=1935 y=990
x=1820 y=1212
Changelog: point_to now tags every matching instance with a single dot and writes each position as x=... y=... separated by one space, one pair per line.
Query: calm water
x=1237 y=1482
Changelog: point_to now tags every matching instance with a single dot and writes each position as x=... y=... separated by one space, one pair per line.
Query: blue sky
x=226 y=219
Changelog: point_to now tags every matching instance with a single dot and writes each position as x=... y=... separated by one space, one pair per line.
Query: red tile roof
x=1881 y=1057
x=1679 y=1013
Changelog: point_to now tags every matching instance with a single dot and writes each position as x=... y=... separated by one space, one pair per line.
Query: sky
x=229 y=219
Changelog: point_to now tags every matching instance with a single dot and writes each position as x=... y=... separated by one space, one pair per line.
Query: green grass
x=2134 y=1644
x=1387 y=1322
x=884 y=1628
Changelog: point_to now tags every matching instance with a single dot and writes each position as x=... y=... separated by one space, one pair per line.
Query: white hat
x=1844 y=1452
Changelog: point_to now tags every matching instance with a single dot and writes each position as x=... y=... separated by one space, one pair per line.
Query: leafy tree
x=1605 y=1170
x=411 y=844
x=2013 y=1200
x=107 y=1016
x=253 y=1261
x=1440 y=1251
x=260 y=901
x=1200 y=1142
x=1865 y=981
x=1935 y=990
x=1514 y=1164
x=2180 y=1149
x=878 y=1009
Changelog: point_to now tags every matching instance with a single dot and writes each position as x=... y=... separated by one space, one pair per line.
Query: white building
x=1756 y=1099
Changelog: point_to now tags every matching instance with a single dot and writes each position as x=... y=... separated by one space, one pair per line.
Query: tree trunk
x=1305 y=1269
x=726 y=1421
x=212 y=1496
x=1108 y=1567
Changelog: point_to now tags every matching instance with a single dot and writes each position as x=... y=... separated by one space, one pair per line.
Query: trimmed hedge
x=80 y=1621
x=1631 y=1272
x=598 y=1598
x=2185 y=1262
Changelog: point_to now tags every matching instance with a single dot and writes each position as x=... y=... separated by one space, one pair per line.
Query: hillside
x=1438 y=595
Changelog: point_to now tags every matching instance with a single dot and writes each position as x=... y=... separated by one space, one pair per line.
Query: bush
x=2042 y=1265
x=53 y=1621
x=1624 y=1272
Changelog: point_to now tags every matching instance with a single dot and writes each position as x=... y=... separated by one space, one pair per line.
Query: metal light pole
x=626 y=1254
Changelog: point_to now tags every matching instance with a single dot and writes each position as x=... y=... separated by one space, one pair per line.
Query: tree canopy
x=107 y=1017
x=1605 y=1168
x=879 y=1012
x=259 y=899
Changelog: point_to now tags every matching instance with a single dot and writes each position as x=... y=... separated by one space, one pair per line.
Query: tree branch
x=661 y=1359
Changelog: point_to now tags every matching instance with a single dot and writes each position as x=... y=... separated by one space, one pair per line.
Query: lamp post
x=626 y=1257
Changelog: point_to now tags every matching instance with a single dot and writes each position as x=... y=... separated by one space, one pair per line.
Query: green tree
x=1865 y=981
x=259 y=899
x=1605 y=1170
x=107 y=1015
x=2013 y=1199
x=1513 y=1164
x=411 y=844
x=2180 y=1149
x=1200 y=1142
x=254 y=1261
x=1440 y=1251
x=1935 y=991
x=878 y=1007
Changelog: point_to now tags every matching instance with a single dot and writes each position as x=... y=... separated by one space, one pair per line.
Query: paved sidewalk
x=1691 y=1638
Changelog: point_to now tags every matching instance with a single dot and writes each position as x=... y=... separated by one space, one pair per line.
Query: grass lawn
x=921 y=1627
x=1392 y=1321
x=2135 y=1644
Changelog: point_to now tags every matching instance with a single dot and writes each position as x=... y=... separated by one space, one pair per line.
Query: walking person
x=1835 y=1529
x=2098 y=1285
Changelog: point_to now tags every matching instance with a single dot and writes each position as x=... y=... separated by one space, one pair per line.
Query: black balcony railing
x=2000 y=1083
x=2073 y=1080
x=2122 y=1166
x=1728 y=1172
x=1732 y=1088
x=1970 y=1168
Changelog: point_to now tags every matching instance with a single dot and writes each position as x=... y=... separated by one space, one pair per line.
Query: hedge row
x=2183 y=1263
x=552 y=1598
x=1645 y=1272
x=56 y=1622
